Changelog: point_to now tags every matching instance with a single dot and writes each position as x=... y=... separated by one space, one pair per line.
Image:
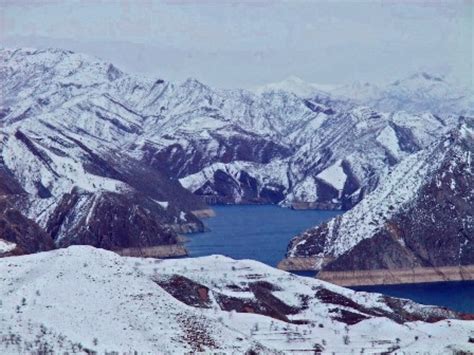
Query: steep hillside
x=418 y=220
x=230 y=146
x=78 y=299
x=63 y=168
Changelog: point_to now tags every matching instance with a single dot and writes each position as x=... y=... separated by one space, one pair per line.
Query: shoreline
x=297 y=206
x=398 y=276
x=378 y=277
x=204 y=213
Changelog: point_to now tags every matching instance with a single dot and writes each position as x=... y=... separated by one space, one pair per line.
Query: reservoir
x=262 y=233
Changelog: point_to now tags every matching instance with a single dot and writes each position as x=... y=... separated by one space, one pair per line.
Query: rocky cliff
x=420 y=217
x=81 y=140
x=229 y=146
x=64 y=175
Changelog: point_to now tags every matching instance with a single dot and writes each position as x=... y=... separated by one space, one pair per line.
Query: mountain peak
x=421 y=77
x=295 y=85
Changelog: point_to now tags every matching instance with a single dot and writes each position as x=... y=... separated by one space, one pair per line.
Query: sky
x=230 y=43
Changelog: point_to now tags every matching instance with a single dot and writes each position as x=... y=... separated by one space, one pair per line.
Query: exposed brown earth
x=261 y=297
x=398 y=276
x=204 y=213
x=380 y=276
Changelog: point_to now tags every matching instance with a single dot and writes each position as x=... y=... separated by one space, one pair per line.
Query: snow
x=269 y=175
x=296 y=86
x=130 y=113
x=389 y=140
x=416 y=93
x=6 y=246
x=334 y=175
x=103 y=295
x=400 y=186
x=60 y=174
x=306 y=190
x=363 y=220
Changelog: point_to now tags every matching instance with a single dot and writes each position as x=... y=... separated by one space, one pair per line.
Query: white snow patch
x=334 y=175
x=6 y=246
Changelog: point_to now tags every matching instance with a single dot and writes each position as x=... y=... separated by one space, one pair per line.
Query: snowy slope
x=62 y=134
x=416 y=93
x=419 y=92
x=424 y=202
x=80 y=299
x=231 y=146
x=297 y=86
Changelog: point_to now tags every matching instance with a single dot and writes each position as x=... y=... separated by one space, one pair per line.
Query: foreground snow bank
x=82 y=298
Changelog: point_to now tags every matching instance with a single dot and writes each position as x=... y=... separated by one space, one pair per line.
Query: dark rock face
x=8 y=184
x=382 y=251
x=132 y=218
x=14 y=226
x=315 y=242
x=159 y=186
x=449 y=200
x=224 y=189
x=180 y=162
x=187 y=291
x=110 y=221
x=434 y=228
x=25 y=233
x=406 y=139
x=279 y=142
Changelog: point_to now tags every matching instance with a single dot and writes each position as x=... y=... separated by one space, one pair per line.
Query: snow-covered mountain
x=229 y=145
x=82 y=141
x=63 y=164
x=419 y=92
x=297 y=86
x=416 y=93
x=419 y=217
x=85 y=300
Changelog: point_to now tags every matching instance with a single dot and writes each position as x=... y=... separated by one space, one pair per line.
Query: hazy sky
x=246 y=43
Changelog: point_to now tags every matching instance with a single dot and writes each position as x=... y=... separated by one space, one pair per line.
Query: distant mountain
x=81 y=141
x=297 y=86
x=417 y=225
x=419 y=92
x=88 y=300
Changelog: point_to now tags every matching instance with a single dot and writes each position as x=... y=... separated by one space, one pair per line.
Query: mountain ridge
x=75 y=126
x=420 y=217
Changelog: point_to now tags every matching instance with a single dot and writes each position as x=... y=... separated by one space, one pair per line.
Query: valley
x=105 y=174
x=262 y=233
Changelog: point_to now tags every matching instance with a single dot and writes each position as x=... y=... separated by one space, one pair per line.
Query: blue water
x=455 y=295
x=263 y=232
x=253 y=232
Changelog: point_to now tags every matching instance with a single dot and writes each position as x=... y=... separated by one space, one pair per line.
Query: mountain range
x=92 y=155
x=418 y=92
x=93 y=158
